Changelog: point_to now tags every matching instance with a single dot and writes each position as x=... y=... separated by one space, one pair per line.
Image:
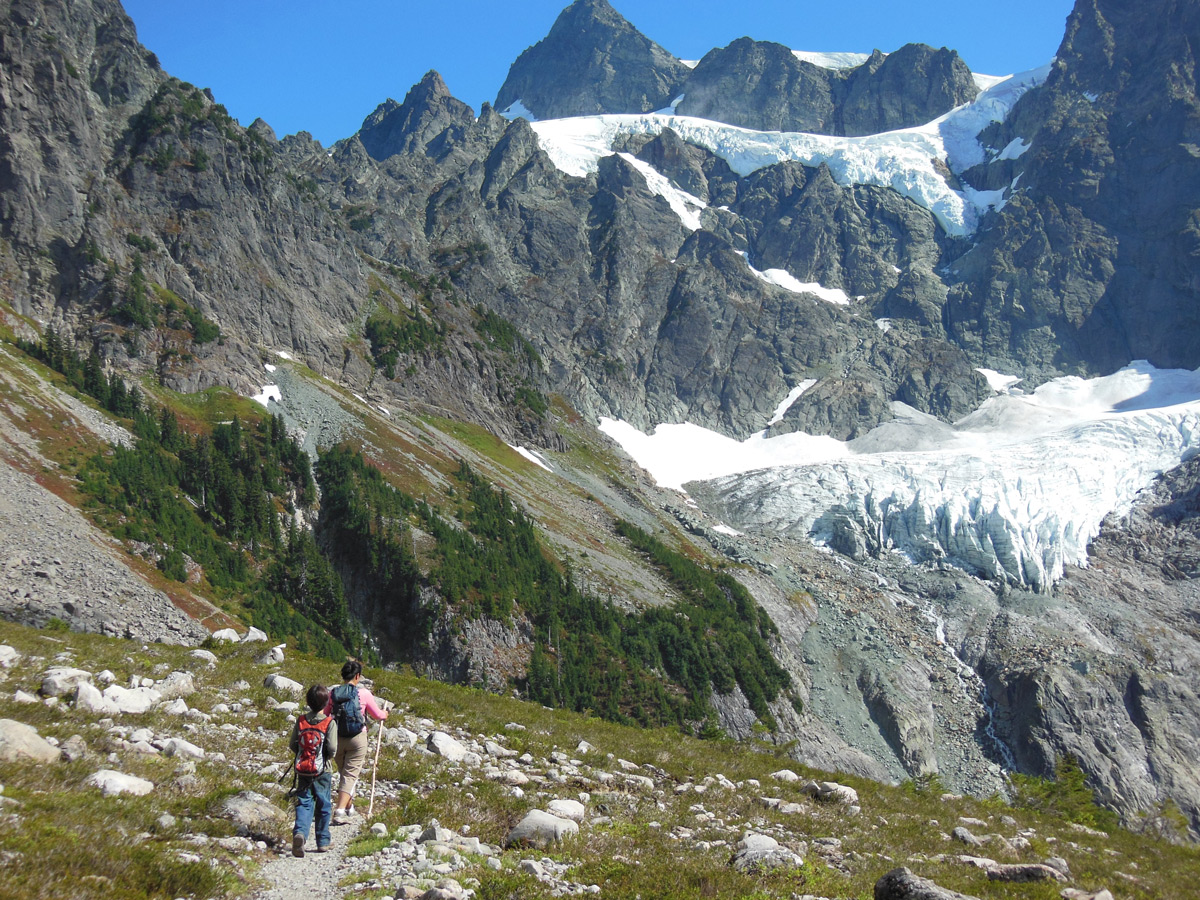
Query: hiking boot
x=298 y=845
x=323 y=848
x=339 y=817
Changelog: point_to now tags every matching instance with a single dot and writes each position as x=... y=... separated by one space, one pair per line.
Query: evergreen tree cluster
x=215 y=497
x=390 y=337
x=655 y=667
x=87 y=375
x=363 y=525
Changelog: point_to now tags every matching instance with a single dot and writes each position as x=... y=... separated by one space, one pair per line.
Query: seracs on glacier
x=1014 y=491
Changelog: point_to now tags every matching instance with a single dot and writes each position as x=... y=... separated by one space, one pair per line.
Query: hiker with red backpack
x=314 y=740
x=349 y=705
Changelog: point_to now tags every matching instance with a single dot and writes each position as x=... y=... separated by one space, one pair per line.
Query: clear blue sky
x=322 y=67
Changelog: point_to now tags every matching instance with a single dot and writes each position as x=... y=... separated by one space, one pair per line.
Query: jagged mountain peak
x=592 y=61
x=427 y=111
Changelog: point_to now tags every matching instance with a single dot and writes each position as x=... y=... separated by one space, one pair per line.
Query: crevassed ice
x=1014 y=491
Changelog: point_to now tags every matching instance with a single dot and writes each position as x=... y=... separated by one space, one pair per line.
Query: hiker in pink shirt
x=350 y=703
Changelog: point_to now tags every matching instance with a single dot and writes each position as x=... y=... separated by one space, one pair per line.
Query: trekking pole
x=374 y=766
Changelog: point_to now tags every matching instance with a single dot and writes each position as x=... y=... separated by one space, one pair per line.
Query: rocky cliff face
x=763 y=86
x=1093 y=252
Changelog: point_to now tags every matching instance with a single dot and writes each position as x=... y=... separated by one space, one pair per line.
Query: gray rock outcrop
x=902 y=884
x=540 y=829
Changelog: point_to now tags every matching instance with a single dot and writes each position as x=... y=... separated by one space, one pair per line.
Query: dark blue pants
x=313 y=794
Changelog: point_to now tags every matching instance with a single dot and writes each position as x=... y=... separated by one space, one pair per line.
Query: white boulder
x=446 y=747
x=540 y=829
x=177 y=684
x=279 y=682
x=272 y=656
x=8 y=656
x=253 y=635
x=112 y=782
x=183 y=749
x=89 y=699
x=61 y=680
x=133 y=701
x=21 y=741
x=567 y=809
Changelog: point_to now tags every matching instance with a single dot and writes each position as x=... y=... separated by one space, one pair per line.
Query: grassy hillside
x=670 y=840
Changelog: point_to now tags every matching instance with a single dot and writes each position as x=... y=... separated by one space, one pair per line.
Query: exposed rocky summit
x=427 y=120
x=592 y=61
x=764 y=86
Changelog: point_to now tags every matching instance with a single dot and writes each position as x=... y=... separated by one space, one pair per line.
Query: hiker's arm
x=294 y=738
x=331 y=741
x=370 y=706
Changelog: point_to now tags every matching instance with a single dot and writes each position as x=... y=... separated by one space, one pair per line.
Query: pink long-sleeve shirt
x=367 y=701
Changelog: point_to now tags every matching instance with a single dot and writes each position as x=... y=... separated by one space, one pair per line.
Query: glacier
x=1014 y=491
x=904 y=160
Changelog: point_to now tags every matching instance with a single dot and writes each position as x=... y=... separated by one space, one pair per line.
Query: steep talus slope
x=592 y=61
x=763 y=86
x=1091 y=262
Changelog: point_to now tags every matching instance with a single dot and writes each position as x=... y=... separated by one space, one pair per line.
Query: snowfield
x=1014 y=491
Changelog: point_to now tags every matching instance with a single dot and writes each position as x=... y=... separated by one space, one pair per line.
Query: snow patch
x=517 y=110
x=784 y=279
x=683 y=204
x=269 y=392
x=269 y=367
x=1015 y=148
x=726 y=530
x=532 y=457
x=831 y=60
x=983 y=82
x=283 y=354
x=792 y=397
x=669 y=109
x=884 y=325
x=998 y=381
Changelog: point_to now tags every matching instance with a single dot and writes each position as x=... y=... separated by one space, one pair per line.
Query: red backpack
x=310 y=758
